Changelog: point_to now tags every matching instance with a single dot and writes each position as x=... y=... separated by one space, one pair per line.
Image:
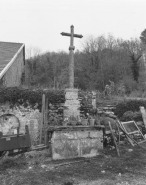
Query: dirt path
x=36 y=168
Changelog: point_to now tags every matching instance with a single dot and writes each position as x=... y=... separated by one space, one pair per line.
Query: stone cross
x=71 y=53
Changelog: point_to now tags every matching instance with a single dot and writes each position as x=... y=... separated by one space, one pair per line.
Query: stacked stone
x=55 y=114
x=86 y=104
x=72 y=104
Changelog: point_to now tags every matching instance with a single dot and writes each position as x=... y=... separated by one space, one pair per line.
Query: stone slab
x=72 y=144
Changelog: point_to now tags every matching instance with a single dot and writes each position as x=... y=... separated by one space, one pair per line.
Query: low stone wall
x=26 y=116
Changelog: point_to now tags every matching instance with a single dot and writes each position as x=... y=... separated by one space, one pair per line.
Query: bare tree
x=32 y=52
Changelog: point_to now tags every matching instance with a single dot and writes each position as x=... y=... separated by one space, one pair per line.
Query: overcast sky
x=38 y=23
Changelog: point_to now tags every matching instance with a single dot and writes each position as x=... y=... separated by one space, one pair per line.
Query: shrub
x=136 y=93
x=126 y=86
x=129 y=105
x=127 y=116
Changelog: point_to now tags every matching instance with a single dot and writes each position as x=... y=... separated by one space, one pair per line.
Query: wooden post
x=46 y=121
x=71 y=54
x=42 y=120
x=113 y=136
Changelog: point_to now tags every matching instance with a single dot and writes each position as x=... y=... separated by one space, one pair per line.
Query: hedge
x=15 y=95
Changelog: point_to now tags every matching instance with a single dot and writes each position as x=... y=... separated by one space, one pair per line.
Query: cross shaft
x=71 y=49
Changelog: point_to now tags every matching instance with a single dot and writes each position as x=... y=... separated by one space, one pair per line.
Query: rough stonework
x=72 y=103
x=26 y=116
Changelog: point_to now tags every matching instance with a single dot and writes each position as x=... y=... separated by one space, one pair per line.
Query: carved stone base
x=72 y=104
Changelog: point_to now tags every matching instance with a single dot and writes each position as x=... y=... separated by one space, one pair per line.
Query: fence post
x=46 y=121
x=42 y=118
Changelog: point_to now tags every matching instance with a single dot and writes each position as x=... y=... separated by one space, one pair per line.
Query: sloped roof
x=8 y=53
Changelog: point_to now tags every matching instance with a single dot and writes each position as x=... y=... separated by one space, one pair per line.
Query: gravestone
x=94 y=99
x=143 y=112
x=33 y=131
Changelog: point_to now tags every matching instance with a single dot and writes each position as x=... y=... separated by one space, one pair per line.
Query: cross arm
x=69 y=34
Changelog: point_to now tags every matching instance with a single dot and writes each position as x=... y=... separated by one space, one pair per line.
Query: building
x=12 y=64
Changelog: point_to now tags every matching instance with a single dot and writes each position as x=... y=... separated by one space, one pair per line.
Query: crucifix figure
x=71 y=53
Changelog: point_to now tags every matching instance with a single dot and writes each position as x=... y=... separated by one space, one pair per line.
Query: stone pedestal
x=72 y=104
x=73 y=142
